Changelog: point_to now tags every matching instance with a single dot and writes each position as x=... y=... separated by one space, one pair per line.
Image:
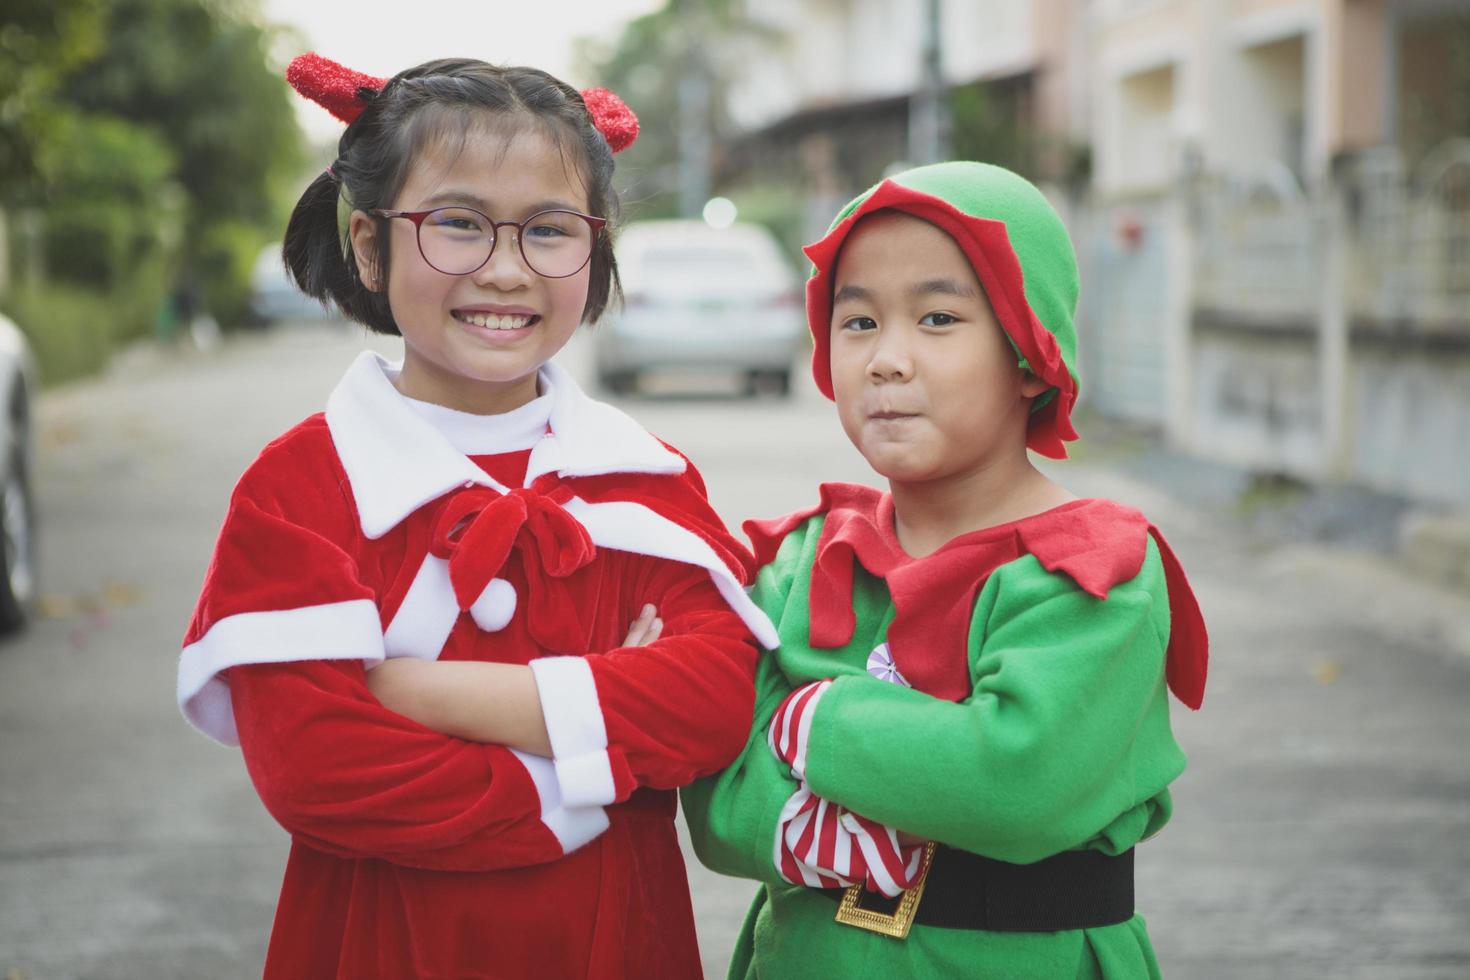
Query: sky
x=383 y=40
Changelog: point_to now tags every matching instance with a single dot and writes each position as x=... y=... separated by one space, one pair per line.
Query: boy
x=965 y=730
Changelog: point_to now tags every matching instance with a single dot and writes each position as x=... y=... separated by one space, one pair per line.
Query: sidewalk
x=1406 y=564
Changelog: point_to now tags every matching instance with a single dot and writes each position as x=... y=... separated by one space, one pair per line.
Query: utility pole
x=929 y=107
x=693 y=96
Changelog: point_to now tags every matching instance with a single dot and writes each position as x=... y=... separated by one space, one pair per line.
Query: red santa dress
x=387 y=527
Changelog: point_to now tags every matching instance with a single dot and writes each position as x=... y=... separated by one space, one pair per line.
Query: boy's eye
x=937 y=320
x=859 y=323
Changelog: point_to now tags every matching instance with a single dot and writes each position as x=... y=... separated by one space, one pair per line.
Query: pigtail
x=313 y=252
x=321 y=262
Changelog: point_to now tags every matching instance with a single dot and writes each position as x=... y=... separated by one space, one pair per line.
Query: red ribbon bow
x=477 y=529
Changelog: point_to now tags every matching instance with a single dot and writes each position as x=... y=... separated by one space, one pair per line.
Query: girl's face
x=475 y=342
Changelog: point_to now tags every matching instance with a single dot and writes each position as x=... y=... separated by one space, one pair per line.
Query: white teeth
x=494 y=322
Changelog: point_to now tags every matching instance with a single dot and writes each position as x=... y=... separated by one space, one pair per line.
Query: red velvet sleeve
x=681 y=707
x=659 y=715
x=349 y=777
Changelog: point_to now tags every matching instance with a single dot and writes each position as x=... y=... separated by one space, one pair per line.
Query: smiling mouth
x=495 y=321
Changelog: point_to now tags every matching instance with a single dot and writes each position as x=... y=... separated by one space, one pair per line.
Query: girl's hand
x=909 y=840
x=645 y=629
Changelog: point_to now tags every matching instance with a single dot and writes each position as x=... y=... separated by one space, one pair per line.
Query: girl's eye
x=859 y=323
x=451 y=221
x=545 y=231
x=937 y=320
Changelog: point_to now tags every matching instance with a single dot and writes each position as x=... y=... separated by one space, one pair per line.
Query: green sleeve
x=732 y=815
x=1064 y=743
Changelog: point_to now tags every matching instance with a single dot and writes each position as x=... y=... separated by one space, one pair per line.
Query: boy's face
x=927 y=386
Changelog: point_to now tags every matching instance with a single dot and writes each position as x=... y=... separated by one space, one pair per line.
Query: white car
x=702 y=298
x=17 y=513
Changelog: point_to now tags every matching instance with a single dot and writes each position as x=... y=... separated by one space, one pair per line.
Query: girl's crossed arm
x=671 y=704
x=480 y=702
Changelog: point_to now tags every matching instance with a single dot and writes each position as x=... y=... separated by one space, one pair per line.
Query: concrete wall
x=1410 y=426
x=1255 y=399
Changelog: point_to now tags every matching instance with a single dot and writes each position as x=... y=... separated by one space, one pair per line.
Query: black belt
x=1071 y=890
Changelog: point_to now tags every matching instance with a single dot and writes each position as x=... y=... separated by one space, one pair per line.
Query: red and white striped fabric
x=823 y=845
x=818 y=843
x=791 y=725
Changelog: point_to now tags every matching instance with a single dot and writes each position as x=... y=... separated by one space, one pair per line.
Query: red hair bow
x=612 y=117
x=338 y=89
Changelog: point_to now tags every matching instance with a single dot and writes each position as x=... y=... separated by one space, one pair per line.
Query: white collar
x=479 y=435
x=397 y=462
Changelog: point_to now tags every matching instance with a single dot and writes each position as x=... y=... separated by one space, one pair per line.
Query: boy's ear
x=1031 y=385
x=362 y=232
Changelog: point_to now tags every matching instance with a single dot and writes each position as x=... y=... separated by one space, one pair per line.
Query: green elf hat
x=1020 y=251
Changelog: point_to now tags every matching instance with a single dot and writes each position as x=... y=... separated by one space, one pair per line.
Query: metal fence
x=1262 y=240
x=1322 y=330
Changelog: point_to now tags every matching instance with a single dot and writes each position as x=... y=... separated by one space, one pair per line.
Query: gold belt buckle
x=897 y=925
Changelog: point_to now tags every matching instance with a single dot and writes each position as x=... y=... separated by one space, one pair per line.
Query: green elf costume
x=1004 y=697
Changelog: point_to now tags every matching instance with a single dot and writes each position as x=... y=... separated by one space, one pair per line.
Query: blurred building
x=1277 y=243
x=1270 y=198
x=826 y=97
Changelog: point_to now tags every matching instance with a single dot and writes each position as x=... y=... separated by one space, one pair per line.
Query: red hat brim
x=987 y=245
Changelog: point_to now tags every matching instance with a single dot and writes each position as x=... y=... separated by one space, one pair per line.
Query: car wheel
x=18 y=583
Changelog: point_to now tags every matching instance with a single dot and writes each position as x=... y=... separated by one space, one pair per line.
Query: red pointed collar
x=987 y=245
x=1096 y=543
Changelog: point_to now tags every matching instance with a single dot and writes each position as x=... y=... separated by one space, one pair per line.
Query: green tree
x=644 y=65
x=198 y=75
x=40 y=40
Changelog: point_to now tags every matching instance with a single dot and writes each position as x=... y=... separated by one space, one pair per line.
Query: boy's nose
x=891 y=360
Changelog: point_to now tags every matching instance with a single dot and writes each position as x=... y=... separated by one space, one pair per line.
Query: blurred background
x=1270 y=202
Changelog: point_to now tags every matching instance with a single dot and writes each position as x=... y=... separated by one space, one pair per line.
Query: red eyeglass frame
x=417 y=217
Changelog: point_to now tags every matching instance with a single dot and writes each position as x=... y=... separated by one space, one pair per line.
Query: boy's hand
x=645 y=629
x=823 y=845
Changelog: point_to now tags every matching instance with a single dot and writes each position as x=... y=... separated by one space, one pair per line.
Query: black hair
x=433 y=102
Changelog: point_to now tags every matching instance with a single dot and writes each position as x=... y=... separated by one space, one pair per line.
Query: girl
x=496 y=800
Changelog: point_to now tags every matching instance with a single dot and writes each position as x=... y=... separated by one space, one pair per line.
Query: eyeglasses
x=458 y=241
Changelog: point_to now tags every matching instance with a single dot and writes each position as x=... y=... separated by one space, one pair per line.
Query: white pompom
x=496 y=605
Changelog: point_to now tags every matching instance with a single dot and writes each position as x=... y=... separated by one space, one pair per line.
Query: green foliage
x=987 y=125
x=198 y=74
x=69 y=328
x=154 y=139
x=224 y=258
x=1434 y=81
x=40 y=40
x=108 y=183
x=641 y=66
x=644 y=65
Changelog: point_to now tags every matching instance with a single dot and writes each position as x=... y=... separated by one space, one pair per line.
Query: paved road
x=1323 y=829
